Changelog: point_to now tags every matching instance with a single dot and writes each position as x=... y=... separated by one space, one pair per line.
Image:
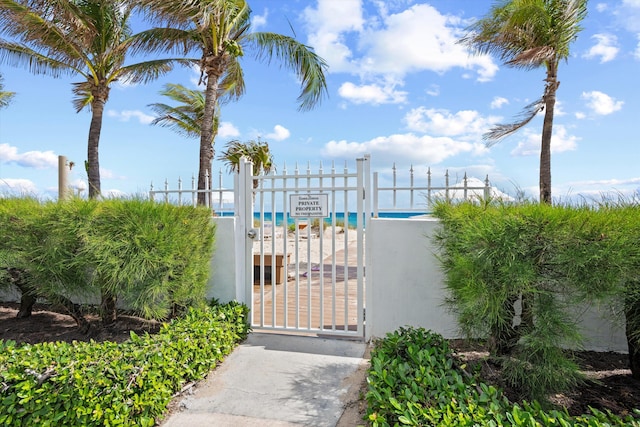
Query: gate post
x=243 y=207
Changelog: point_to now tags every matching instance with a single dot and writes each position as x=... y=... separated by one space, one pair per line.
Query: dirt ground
x=49 y=326
x=609 y=385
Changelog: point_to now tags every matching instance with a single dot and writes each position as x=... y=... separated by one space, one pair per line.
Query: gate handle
x=252 y=233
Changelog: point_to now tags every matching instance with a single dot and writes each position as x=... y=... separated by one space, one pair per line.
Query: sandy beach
x=307 y=245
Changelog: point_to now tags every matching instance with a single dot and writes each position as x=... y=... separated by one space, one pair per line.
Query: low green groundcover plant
x=414 y=381
x=111 y=384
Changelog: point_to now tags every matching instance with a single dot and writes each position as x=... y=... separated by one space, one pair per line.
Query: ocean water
x=352 y=217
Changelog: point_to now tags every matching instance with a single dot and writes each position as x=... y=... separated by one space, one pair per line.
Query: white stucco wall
x=405 y=286
x=601 y=331
x=222 y=281
x=404 y=283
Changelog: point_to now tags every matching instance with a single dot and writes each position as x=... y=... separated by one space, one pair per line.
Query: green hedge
x=127 y=384
x=519 y=274
x=152 y=257
x=414 y=381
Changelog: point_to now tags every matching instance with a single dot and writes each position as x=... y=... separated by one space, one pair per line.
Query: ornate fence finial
x=446 y=185
x=465 y=185
x=487 y=188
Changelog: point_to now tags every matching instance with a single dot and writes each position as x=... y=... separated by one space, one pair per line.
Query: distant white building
x=475 y=190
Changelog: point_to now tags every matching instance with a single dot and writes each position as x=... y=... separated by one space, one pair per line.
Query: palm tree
x=220 y=31
x=185 y=118
x=5 y=97
x=88 y=38
x=258 y=152
x=530 y=34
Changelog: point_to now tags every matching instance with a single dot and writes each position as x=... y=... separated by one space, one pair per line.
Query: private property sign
x=309 y=205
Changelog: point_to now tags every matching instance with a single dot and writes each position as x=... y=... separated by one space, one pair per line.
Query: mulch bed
x=609 y=385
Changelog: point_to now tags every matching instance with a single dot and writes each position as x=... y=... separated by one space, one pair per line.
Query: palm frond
x=532 y=58
x=527 y=33
x=46 y=34
x=500 y=131
x=144 y=72
x=232 y=85
x=18 y=55
x=177 y=121
x=5 y=96
x=83 y=95
x=187 y=117
x=256 y=151
x=165 y=39
x=307 y=65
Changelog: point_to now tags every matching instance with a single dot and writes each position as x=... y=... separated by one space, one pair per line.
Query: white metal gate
x=304 y=248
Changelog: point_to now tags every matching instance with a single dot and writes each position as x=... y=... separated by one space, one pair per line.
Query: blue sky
x=400 y=89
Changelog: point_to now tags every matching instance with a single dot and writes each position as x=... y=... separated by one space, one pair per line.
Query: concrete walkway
x=277 y=380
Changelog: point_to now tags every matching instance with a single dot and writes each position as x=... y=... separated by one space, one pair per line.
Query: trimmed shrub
x=516 y=273
x=154 y=258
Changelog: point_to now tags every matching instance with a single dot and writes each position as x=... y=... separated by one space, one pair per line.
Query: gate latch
x=252 y=233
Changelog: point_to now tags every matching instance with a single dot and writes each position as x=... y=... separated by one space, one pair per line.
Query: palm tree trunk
x=206 y=136
x=93 y=167
x=108 y=300
x=547 y=131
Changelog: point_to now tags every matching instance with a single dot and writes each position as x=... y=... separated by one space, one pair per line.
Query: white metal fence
x=406 y=192
x=220 y=199
x=418 y=194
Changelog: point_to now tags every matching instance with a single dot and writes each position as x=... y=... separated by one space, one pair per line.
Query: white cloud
x=17 y=186
x=434 y=90
x=280 y=133
x=636 y=53
x=558 y=110
x=79 y=185
x=560 y=141
x=408 y=148
x=417 y=39
x=420 y=38
x=601 y=7
x=109 y=174
x=466 y=123
x=605 y=48
x=436 y=135
x=628 y=14
x=580 y=115
x=498 y=102
x=329 y=25
x=613 y=182
x=258 y=21
x=372 y=94
x=601 y=103
x=29 y=159
x=228 y=130
x=126 y=115
x=599 y=189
